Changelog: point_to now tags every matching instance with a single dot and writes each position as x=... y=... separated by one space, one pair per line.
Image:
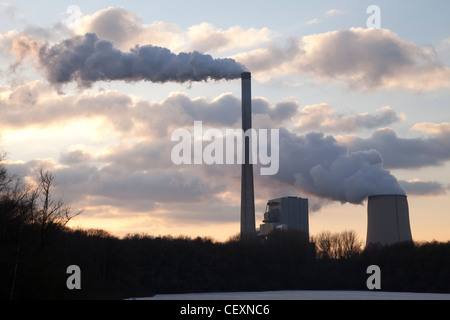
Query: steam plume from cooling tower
x=319 y=166
x=87 y=59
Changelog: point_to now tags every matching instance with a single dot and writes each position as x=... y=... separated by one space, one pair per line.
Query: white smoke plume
x=319 y=166
x=87 y=59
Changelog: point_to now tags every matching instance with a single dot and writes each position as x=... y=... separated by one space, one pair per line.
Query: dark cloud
x=75 y=157
x=404 y=153
x=423 y=188
x=282 y=111
x=123 y=187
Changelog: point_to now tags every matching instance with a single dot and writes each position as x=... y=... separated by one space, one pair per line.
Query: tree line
x=36 y=247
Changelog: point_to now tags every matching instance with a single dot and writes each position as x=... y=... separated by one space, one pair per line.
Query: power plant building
x=287 y=213
x=388 y=220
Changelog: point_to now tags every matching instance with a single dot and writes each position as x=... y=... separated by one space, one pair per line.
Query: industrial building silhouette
x=287 y=213
x=388 y=220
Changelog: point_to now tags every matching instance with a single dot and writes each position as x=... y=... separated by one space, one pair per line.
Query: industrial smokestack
x=388 y=220
x=247 y=192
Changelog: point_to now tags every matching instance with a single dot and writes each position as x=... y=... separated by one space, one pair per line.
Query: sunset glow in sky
x=359 y=109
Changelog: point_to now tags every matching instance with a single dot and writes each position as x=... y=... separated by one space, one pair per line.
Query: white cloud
x=36 y=104
x=333 y=12
x=364 y=59
x=126 y=29
x=206 y=37
x=432 y=128
x=324 y=118
x=404 y=153
x=313 y=21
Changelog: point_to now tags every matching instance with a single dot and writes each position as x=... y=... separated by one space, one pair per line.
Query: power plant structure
x=287 y=213
x=247 y=191
x=387 y=215
x=388 y=220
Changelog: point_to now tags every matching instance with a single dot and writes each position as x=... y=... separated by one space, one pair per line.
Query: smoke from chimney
x=87 y=59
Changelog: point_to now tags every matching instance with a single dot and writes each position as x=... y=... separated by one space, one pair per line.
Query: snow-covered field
x=303 y=295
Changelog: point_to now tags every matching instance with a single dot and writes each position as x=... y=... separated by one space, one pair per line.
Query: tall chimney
x=247 y=192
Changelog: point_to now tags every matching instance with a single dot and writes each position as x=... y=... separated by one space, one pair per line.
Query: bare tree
x=5 y=178
x=350 y=244
x=324 y=244
x=25 y=204
x=3 y=175
x=337 y=245
x=49 y=212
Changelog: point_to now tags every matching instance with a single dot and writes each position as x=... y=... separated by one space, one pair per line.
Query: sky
x=93 y=90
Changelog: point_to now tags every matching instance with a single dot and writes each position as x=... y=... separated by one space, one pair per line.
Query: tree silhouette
x=343 y=245
x=50 y=213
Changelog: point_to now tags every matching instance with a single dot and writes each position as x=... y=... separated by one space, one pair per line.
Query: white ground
x=303 y=295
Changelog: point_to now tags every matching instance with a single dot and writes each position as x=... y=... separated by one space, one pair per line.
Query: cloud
x=36 y=104
x=364 y=59
x=423 y=188
x=20 y=50
x=313 y=21
x=76 y=157
x=126 y=29
x=322 y=117
x=344 y=168
x=333 y=12
x=439 y=129
x=206 y=37
x=137 y=177
x=405 y=153
x=136 y=174
x=127 y=188
x=273 y=60
x=22 y=47
x=140 y=178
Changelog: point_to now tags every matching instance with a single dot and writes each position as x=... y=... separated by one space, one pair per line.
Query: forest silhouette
x=36 y=247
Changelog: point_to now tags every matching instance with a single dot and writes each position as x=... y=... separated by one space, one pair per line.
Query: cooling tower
x=388 y=220
x=247 y=193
